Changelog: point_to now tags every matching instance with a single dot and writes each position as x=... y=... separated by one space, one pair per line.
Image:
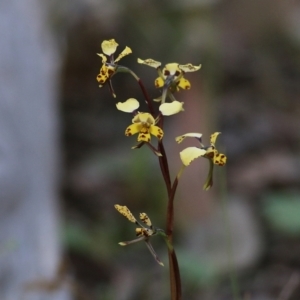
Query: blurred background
x=248 y=88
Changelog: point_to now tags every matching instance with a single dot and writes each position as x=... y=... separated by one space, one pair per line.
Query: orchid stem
x=175 y=281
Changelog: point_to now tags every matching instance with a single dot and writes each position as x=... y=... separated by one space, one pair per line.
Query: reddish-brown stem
x=163 y=162
x=170 y=210
x=175 y=281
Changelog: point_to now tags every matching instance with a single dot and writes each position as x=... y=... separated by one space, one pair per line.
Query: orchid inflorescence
x=171 y=78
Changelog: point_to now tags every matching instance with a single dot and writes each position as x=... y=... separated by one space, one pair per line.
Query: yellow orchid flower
x=108 y=69
x=171 y=76
x=143 y=233
x=189 y=154
x=144 y=125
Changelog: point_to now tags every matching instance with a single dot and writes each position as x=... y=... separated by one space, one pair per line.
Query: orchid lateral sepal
x=139 y=145
x=153 y=149
x=148 y=244
x=141 y=238
x=111 y=89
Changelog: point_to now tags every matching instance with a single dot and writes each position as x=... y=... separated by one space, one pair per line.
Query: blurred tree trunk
x=29 y=244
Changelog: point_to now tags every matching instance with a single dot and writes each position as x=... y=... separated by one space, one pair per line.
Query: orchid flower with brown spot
x=109 y=68
x=143 y=233
x=171 y=77
x=210 y=152
x=144 y=123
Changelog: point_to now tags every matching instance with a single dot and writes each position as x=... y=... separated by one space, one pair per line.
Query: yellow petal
x=189 y=68
x=144 y=136
x=129 y=105
x=133 y=129
x=184 y=84
x=149 y=62
x=145 y=219
x=219 y=159
x=125 y=212
x=159 y=82
x=125 y=52
x=156 y=131
x=189 y=154
x=168 y=109
x=180 y=138
x=109 y=46
x=104 y=58
x=213 y=138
